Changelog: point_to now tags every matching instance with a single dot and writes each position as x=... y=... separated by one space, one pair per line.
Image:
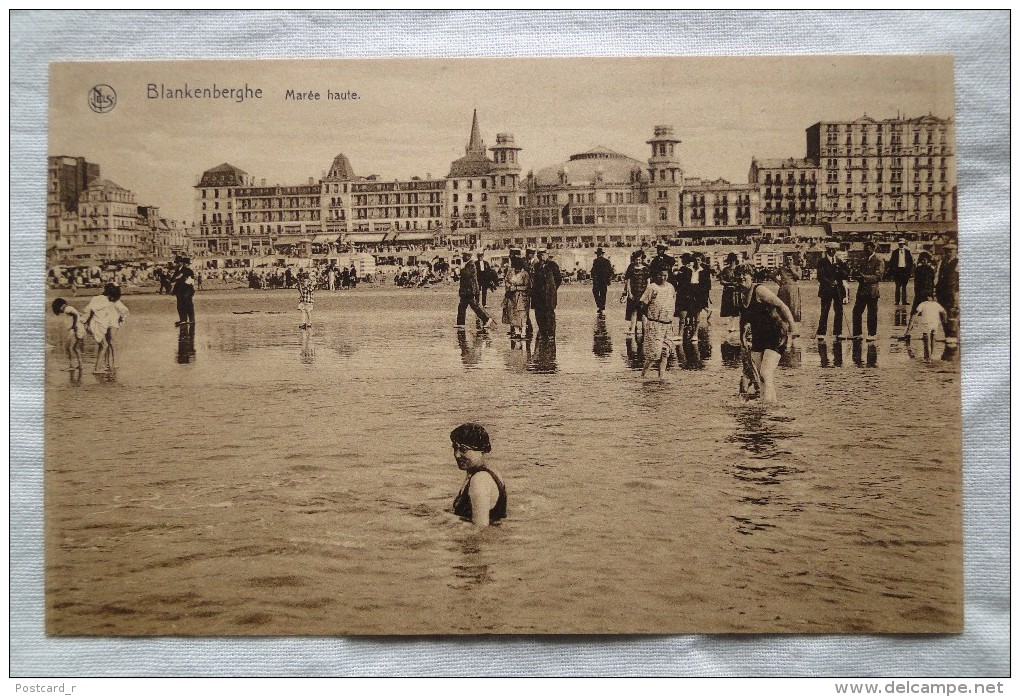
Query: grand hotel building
x=864 y=175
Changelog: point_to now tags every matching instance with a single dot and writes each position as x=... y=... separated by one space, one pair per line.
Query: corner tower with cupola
x=666 y=184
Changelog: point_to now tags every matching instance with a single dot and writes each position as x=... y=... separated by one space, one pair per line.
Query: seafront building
x=864 y=176
x=90 y=220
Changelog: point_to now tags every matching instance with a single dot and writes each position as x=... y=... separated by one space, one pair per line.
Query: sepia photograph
x=501 y=346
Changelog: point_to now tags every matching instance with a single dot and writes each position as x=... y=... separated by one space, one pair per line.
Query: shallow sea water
x=254 y=478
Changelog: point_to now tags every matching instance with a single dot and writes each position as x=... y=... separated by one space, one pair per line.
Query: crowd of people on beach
x=667 y=304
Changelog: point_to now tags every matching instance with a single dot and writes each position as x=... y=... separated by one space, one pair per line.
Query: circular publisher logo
x=102 y=98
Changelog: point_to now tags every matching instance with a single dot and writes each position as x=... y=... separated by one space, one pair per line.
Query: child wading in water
x=305 y=288
x=104 y=315
x=658 y=302
x=929 y=316
x=75 y=338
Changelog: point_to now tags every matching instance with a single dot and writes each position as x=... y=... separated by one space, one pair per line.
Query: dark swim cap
x=473 y=436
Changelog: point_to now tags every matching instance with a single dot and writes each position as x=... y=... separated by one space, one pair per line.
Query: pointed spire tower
x=476 y=146
x=476 y=162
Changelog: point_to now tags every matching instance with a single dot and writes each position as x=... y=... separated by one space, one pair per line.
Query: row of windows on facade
x=879 y=162
x=895 y=131
x=586 y=216
x=891 y=151
x=360 y=227
x=879 y=176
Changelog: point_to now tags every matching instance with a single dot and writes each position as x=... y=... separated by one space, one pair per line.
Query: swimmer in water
x=482 y=498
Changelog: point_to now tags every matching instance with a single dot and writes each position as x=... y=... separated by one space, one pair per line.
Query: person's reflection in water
x=823 y=352
x=544 y=358
x=307 y=347
x=602 y=343
x=730 y=354
x=858 y=354
x=704 y=343
x=470 y=352
x=634 y=357
x=186 y=343
x=900 y=317
x=792 y=356
x=950 y=352
x=688 y=354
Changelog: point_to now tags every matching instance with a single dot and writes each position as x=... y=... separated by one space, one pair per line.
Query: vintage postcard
x=503 y=346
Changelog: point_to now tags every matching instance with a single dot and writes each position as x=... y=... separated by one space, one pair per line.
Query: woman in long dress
x=517 y=299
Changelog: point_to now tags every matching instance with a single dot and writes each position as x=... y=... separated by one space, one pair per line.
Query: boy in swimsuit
x=482 y=498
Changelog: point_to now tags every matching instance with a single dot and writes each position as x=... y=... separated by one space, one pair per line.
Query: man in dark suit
x=901 y=264
x=487 y=277
x=832 y=272
x=601 y=277
x=470 y=292
x=947 y=292
x=871 y=271
x=545 y=280
x=662 y=260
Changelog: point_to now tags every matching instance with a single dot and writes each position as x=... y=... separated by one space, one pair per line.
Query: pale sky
x=414 y=116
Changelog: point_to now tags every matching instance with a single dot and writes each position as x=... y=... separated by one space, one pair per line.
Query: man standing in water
x=601 y=277
x=870 y=273
x=183 y=283
x=545 y=286
x=947 y=290
x=832 y=271
x=901 y=263
x=470 y=292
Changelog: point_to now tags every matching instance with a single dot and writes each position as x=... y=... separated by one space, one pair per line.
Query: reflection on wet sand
x=471 y=351
x=544 y=358
x=634 y=358
x=837 y=353
x=186 y=344
x=858 y=352
x=602 y=342
x=307 y=347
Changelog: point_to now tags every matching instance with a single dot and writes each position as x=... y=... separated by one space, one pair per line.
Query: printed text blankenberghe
x=214 y=91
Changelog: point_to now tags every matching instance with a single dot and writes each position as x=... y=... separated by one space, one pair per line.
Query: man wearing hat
x=601 y=276
x=871 y=271
x=470 y=290
x=901 y=264
x=545 y=284
x=488 y=279
x=947 y=291
x=662 y=260
x=183 y=282
x=832 y=272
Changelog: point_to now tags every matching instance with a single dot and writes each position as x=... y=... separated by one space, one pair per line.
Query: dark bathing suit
x=767 y=329
x=462 y=504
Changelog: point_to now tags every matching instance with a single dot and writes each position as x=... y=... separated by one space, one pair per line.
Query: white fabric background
x=979 y=41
